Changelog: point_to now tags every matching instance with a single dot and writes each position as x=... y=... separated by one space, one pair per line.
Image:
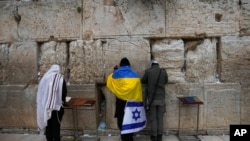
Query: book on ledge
x=89 y=103
x=190 y=100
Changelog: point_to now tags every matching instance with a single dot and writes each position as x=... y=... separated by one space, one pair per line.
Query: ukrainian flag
x=125 y=84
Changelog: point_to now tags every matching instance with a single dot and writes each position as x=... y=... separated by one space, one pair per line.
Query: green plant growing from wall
x=79 y=9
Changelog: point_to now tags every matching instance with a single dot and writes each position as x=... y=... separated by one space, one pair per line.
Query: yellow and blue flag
x=125 y=84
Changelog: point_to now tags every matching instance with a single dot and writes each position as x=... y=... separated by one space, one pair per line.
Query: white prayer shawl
x=49 y=96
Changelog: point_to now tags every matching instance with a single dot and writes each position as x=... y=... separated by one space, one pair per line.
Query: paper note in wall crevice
x=68 y=98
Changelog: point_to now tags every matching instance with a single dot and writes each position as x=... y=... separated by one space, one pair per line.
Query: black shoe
x=159 y=137
x=153 y=138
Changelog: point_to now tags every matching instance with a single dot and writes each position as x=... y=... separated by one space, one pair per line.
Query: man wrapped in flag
x=125 y=84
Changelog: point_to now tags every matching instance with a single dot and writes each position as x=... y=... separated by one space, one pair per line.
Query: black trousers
x=124 y=137
x=119 y=113
x=54 y=125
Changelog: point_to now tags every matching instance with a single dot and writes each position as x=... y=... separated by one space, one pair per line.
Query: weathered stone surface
x=77 y=62
x=235 y=59
x=18 y=103
x=85 y=61
x=43 y=20
x=245 y=105
x=83 y=90
x=188 y=115
x=90 y=60
x=220 y=109
x=109 y=18
x=18 y=106
x=222 y=105
x=8 y=26
x=84 y=118
x=171 y=116
x=137 y=50
x=40 y=20
x=201 y=18
x=4 y=51
x=18 y=63
x=192 y=39
x=53 y=53
x=170 y=55
x=201 y=62
x=244 y=18
x=110 y=120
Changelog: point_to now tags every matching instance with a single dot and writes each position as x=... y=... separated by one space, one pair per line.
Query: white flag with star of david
x=134 y=118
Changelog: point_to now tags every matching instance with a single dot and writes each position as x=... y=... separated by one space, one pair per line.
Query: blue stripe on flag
x=134 y=104
x=133 y=126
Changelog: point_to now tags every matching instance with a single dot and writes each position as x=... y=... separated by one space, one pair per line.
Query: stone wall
x=203 y=45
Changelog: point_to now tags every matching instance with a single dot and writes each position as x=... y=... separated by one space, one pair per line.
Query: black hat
x=124 y=62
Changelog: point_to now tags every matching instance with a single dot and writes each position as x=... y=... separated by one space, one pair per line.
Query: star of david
x=136 y=114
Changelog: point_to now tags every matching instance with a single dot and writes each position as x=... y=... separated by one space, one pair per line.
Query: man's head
x=124 y=62
x=154 y=62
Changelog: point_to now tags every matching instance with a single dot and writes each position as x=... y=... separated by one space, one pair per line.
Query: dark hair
x=124 y=62
x=154 y=64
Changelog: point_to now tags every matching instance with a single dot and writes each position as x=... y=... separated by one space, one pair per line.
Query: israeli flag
x=134 y=118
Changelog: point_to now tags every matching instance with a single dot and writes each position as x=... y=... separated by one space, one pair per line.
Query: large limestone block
x=77 y=62
x=201 y=18
x=18 y=106
x=19 y=63
x=108 y=18
x=86 y=62
x=110 y=120
x=170 y=55
x=222 y=105
x=53 y=53
x=45 y=19
x=201 y=61
x=137 y=50
x=235 y=59
x=8 y=25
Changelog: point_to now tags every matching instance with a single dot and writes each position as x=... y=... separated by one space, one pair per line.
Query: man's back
x=150 y=78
